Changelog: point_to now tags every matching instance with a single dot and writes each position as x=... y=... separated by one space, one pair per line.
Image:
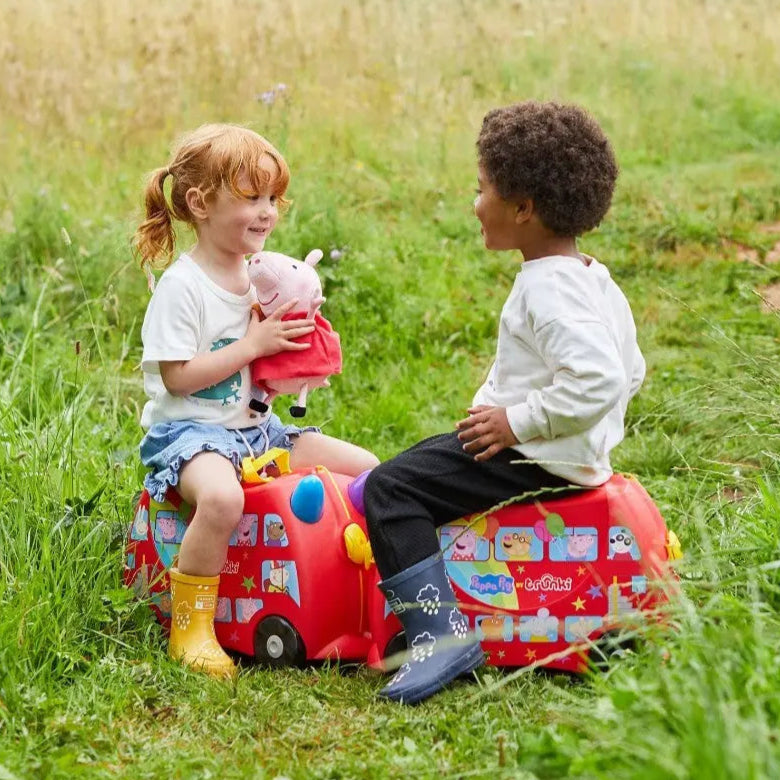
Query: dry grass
x=770 y=298
x=103 y=72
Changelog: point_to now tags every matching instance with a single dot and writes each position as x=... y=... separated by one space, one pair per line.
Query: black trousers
x=408 y=497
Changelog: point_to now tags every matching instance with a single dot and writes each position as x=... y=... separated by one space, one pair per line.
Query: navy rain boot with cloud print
x=440 y=645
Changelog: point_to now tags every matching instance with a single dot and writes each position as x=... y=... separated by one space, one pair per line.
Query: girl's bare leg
x=317 y=449
x=209 y=483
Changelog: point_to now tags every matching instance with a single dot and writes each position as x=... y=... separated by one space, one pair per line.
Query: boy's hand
x=485 y=431
x=272 y=335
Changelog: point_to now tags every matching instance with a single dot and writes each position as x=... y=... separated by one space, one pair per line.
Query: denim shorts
x=168 y=446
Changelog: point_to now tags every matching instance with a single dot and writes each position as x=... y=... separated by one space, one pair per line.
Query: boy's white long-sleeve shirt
x=567 y=364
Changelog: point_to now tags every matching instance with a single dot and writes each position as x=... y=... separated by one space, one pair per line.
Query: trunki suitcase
x=297 y=584
x=541 y=581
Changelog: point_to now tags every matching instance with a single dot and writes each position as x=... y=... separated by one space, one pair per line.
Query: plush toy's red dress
x=323 y=358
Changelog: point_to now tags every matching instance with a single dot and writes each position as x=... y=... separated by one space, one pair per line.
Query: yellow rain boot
x=193 y=641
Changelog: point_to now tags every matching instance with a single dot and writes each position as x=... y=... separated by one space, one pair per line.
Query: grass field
x=378 y=120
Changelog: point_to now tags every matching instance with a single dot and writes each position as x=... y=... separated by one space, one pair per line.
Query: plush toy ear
x=313 y=257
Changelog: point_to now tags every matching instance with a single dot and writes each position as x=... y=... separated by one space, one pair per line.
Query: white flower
x=267 y=97
x=422 y=646
x=336 y=254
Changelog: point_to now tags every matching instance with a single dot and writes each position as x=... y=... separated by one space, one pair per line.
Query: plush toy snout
x=279 y=278
x=262 y=276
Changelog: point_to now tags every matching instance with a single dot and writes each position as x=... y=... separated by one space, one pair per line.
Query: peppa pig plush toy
x=277 y=279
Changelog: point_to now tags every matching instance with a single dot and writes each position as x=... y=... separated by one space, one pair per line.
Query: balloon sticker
x=550 y=526
x=554 y=524
x=540 y=529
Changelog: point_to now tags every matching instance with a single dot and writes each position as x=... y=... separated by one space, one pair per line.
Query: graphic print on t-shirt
x=228 y=389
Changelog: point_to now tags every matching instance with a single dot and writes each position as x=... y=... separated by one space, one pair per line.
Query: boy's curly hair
x=556 y=155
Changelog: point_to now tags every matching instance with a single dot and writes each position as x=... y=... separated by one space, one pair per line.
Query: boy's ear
x=196 y=203
x=525 y=210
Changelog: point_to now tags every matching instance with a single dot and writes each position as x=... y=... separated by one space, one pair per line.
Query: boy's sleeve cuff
x=522 y=423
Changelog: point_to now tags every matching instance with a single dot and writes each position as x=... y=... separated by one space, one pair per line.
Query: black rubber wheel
x=278 y=644
x=610 y=648
x=298 y=411
x=258 y=406
x=397 y=644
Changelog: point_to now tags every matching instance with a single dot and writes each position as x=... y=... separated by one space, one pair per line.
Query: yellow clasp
x=673 y=546
x=253 y=469
x=358 y=546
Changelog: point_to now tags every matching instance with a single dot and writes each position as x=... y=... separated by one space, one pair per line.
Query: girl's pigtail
x=155 y=237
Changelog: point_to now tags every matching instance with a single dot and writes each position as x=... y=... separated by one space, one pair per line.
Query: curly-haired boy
x=552 y=406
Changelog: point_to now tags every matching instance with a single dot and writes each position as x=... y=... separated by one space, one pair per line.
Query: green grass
x=379 y=131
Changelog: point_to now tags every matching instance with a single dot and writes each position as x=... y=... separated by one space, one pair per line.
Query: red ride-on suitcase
x=539 y=579
x=298 y=583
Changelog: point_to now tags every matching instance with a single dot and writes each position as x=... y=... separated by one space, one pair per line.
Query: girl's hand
x=272 y=335
x=485 y=431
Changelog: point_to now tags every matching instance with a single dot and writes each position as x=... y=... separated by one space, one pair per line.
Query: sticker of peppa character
x=246 y=609
x=576 y=628
x=518 y=544
x=541 y=627
x=494 y=628
x=245 y=534
x=581 y=546
x=169 y=529
x=280 y=577
x=140 y=524
x=517 y=547
x=274 y=532
x=622 y=545
x=578 y=543
x=224 y=612
x=459 y=543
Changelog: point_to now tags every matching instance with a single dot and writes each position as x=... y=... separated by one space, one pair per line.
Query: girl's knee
x=360 y=461
x=222 y=504
x=369 y=460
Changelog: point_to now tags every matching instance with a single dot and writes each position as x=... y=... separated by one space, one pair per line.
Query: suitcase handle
x=253 y=469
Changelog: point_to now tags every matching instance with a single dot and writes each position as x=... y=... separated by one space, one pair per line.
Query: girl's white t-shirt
x=567 y=364
x=189 y=314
